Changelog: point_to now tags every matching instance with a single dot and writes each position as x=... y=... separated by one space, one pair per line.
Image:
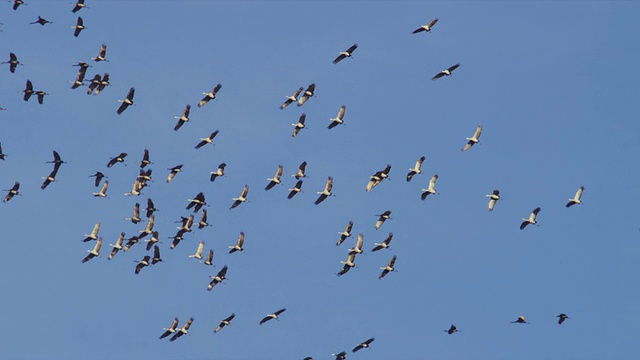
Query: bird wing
x=265 y=319
x=320 y=199
x=420 y=29
x=524 y=225
x=341 y=111
x=392 y=262
x=492 y=203
x=329 y=184
x=352 y=48
x=122 y=108
x=468 y=145
x=432 y=182
x=453 y=67
x=478 y=132
x=339 y=58
x=579 y=192
x=438 y=75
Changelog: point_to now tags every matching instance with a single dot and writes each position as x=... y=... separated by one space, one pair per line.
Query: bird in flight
x=426 y=27
x=446 y=72
x=345 y=54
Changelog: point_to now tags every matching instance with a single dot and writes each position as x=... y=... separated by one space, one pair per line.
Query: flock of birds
x=151 y=237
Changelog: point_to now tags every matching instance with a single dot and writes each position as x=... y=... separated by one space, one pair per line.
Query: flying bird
x=184 y=330
x=40 y=94
x=446 y=72
x=197 y=202
x=104 y=82
x=155 y=238
x=173 y=172
x=299 y=125
x=182 y=119
x=219 y=172
x=474 y=139
x=431 y=189
x=17 y=3
x=451 y=330
x=126 y=101
x=135 y=218
x=2 y=155
x=326 y=191
x=345 y=54
x=93 y=252
x=199 y=251
x=576 y=198
x=42 y=21
x=94 y=233
x=238 y=245
x=142 y=263
x=78 y=27
x=171 y=329
x=240 y=199
x=207 y=140
x=220 y=277
x=426 y=27
x=209 y=96
x=417 y=169
x=12 y=192
x=345 y=234
x=272 y=316
x=493 y=198
x=177 y=238
x=95 y=82
x=531 y=219
x=296 y=189
x=377 y=178
x=338 y=119
x=209 y=260
x=82 y=72
x=102 y=55
x=347 y=264
x=382 y=218
x=28 y=91
x=78 y=6
x=117 y=159
x=301 y=171
x=388 y=268
x=520 y=320
x=99 y=176
x=358 y=248
x=291 y=99
x=203 y=220
x=13 y=62
x=384 y=244
x=307 y=94
x=340 y=356
x=562 y=317
x=117 y=247
x=275 y=180
x=225 y=322
x=363 y=345
x=145 y=159
x=150 y=209
x=103 y=190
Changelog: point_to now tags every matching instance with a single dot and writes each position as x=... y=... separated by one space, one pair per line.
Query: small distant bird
x=339 y=119
x=209 y=96
x=272 y=316
x=80 y=76
x=275 y=180
x=307 y=94
x=382 y=218
x=493 y=198
x=427 y=27
x=390 y=267
x=417 y=169
x=296 y=189
x=145 y=159
x=103 y=190
x=155 y=238
x=57 y=160
x=42 y=21
x=150 y=209
x=358 y=248
x=149 y=228
x=301 y=171
x=2 y=155
x=220 y=277
x=102 y=55
x=199 y=251
x=576 y=198
x=446 y=72
x=225 y=322
x=95 y=82
x=451 y=330
x=28 y=91
x=182 y=119
x=78 y=6
x=177 y=238
x=347 y=264
x=562 y=317
x=431 y=189
x=40 y=94
x=173 y=172
x=135 y=218
x=474 y=139
x=384 y=244
x=207 y=140
x=142 y=263
x=184 y=330
x=219 y=172
x=240 y=199
x=13 y=62
x=345 y=54
x=238 y=245
x=209 y=260
x=93 y=252
x=326 y=191
x=99 y=176
x=78 y=27
x=377 y=178
x=117 y=247
x=117 y=159
x=520 y=320
x=363 y=345
x=345 y=234
x=171 y=329
x=104 y=82
x=49 y=179
x=126 y=101
x=94 y=233
x=17 y=3
x=203 y=220
x=291 y=99
x=531 y=219
x=12 y=192
x=299 y=125
x=197 y=202
x=340 y=356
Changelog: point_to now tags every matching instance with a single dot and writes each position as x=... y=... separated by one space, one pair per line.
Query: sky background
x=554 y=84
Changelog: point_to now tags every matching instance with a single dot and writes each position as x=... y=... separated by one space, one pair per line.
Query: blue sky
x=553 y=84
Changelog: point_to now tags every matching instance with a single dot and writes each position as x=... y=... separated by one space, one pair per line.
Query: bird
x=220 y=277
x=562 y=317
x=338 y=119
x=347 y=264
x=240 y=199
x=2 y=155
x=171 y=329
x=377 y=178
x=50 y=178
x=207 y=140
x=95 y=82
x=130 y=242
x=28 y=91
x=340 y=355
x=103 y=190
x=209 y=96
x=17 y=3
x=431 y=189
x=197 y=202
x=142 y=263
x=520 y=320
x=173 y=171
x=384 y=244
x=184 y=330
x=135 y=218
x=78 y=6
x=326 y=191
x=272 y=316
x=219 y=172
x=117 y=159
x=576 y=198
x=145 y=159
x=307 y=94
x=209 y=260
x=417 y=169
x=445 y=72
x=104 y=82
x=301 y=171
x=126 y=101
x=299 y=125
x=199 y=250
x=182 y=119
x=155 y=237
x=177 y=238
x=291 y=99
x=93 y=252
x=531 y=219
x=40 y=94
x=94 y=233
x=363 y=345
x=474 y=139
x=345 y=234
x=80 y=76
x=12 y=192
x=150 y=209
x=238 y=245
x=451 y=330
x=345 y=54
x=358 y=248
x=426 y=27
x=225 y=322
x=493 y=198
x=99 y=176
x=42 y=21
x=296 y=189
x=78 y=27
x=57 y=160
x=13 y=62
x=382 y=218
x=203 y=220
x=275 y=180
x=388 y=268
x=102 y=55
x=117 y=247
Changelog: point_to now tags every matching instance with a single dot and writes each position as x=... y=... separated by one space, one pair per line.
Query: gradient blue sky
x=554 y=84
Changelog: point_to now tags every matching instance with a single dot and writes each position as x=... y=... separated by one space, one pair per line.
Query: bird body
x=117 y=247
x=474 y=139
x=94 y=233
x=142 y=263
x=427 y=27
x=493 y=198
x=531 y=219
x=445 y=72
x=345 y=54
x=173 y=172
x=220 y=277
x=358 y=248
x=431 y=189
x=78 y=27
x=199 y=251
x=339 y=119
x=576 y=198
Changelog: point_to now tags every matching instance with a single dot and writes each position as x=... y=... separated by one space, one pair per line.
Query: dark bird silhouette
x=426 y=27
x=150 y=209
x=17 y=3
x=50 y=178
x=12 y=192
x=42 y=21
x=562 y=317
x=340 y=356
x=209 y=96
x=445 y=72
x=135 y=218
x=531 y=219
x=295 y=189
x=28 y=91
x=197 y=202
x=95 y=82
x=209 y=260
x=156 y=254
x=104 y=82
x=126 y=101
x=207 y=140
x=142 y=263
x=117 y=159
x=171 y=329
x=13 y=62
x=203 y=220
x=363 y=345
x=2 y=154
x=99 y=176
x=173 y=172
x=345 y=54
x=78 y=6
x=82 y=72
x=40 y=94
x=145 y=159
x=182 y=119
x=307 y=94
x=225 y=322
x=272 y=316
x=291 y=99
x=451 y=330
x=493 y=198
x=520 y=320
x=78 y=27
x=57 y=160
x=382 y=218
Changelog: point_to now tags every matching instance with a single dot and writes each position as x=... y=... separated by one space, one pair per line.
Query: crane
x=384 y=244
x=291 y=99
x=426 y=27
x=240 y=199
x=184 y=330
x=446 y=72
x=326 y=191
x=220 y=277
x=382 y=218
x=275 y=180
x=126 y=101
x=339 y=119
x=345 y=54
x=531 y=219
x=417 y=169
x=576 y=198
x=299 y=125
x=308 y=93
x=218 y=172
x=93 y=252
x=238 y=245
x=388 y=268
x=296 y=189
x=431 y=189
x=474 y=139
x=225 y=322
x=209 y=96
x=345 y=234
x=272 y=316
x=117 y=247
x=493 y=198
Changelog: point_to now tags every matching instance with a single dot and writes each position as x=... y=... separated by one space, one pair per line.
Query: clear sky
x=554 y=85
